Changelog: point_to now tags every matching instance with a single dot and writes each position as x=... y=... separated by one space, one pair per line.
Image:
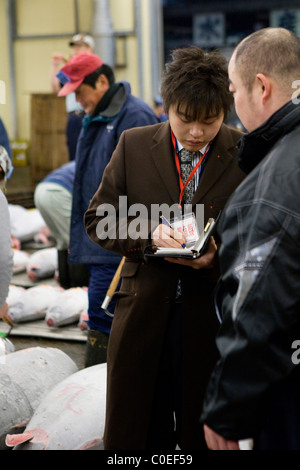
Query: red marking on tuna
x=90 y=444
x=71 y=392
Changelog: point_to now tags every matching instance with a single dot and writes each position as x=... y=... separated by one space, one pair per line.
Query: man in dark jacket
x=110 y=108
x=254 y=391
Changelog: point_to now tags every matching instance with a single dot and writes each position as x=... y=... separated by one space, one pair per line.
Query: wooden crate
x=48 y=146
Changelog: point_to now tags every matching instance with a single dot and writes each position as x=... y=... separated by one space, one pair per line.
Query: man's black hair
x=92 y=78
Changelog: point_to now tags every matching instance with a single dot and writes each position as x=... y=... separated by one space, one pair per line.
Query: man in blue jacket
x=110 y=109
x=4 y=139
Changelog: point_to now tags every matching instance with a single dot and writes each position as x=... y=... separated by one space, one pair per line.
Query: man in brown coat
x=162 y=344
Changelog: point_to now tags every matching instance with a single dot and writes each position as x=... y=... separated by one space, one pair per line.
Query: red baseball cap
x=76 y=69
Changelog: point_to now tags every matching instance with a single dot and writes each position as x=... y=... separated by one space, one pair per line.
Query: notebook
x=193 y=252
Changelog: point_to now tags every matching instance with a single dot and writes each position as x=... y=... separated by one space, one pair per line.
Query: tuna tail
x=14 y=439
x=38 y=437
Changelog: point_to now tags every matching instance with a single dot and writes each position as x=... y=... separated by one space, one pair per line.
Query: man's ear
x=102 y=82
x=265 y=85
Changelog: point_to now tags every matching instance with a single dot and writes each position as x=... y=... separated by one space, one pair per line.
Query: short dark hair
x=272 y=51
x=196 y=83
x=106 y=70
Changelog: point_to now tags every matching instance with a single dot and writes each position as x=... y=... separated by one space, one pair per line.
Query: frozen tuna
x=21 y=259
x=33 y=304
x=6 y=347
x=83 y=321
x=25 y=223
x=66 y=308
x=15 y=293
x=25 y=378
x=42 y=264
x=70 y=417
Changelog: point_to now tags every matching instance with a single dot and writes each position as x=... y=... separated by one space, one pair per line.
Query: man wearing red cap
x=110 y=108
x=79 y=44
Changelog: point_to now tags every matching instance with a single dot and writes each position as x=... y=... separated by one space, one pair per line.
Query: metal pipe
x=102 y=30
x=76 y=15
x=10 y=15
x=138 y=28
x=12 y=36
x=156 y=27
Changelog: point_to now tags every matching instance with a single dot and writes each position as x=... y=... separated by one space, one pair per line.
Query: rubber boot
x=78 y=275
x=63 y=269
x=96 y=348
x=71 y=275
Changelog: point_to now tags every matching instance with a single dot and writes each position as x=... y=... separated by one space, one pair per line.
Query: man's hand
x=166 y=237
x=58 y=58
x=3 y=310
x=215 y=441
x=205 y=261
x=15 y=243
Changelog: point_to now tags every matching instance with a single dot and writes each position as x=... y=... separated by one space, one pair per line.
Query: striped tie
x=186 y=167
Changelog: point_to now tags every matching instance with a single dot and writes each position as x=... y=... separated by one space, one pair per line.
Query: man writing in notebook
x=162 y=344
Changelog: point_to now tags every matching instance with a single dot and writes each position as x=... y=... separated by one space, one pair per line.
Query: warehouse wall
x=32 y=54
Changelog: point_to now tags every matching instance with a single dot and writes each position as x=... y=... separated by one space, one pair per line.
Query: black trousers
x=166 y=419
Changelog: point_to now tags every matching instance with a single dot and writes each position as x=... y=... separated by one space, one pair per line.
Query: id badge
x=187 y=225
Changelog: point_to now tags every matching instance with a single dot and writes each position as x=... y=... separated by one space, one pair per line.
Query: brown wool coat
x=143 y=168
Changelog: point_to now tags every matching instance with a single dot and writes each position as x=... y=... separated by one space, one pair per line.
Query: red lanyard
x=177 y=161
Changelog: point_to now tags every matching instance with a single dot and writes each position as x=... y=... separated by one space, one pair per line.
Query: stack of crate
x=48 y=145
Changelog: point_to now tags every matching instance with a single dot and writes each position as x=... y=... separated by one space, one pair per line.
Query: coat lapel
x=163 y=157
x=220 y=157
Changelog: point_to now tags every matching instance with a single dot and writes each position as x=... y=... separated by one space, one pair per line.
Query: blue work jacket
x=97 y=141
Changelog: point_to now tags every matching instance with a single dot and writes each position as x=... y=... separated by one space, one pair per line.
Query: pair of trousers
x=101 y=276
x=166 y=417
x=55 y=205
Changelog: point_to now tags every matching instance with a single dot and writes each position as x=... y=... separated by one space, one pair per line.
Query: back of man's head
x=274 y=52
x=106 y=70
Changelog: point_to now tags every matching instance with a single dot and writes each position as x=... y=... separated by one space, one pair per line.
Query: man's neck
x=105 y=100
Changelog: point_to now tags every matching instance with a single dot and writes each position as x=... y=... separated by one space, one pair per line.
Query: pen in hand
x=168 y=224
